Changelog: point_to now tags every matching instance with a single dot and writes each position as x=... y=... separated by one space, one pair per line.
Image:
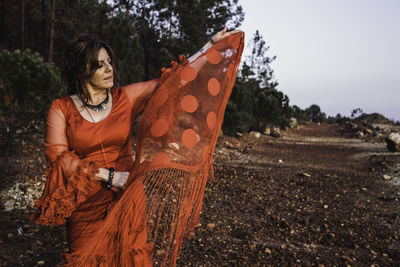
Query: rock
x=211 y=225
x=275 y=132
x=267 y=131
x=293 y=123
x=239 y=134
x=347 y=258
x=40 y=263
x=387 y=177
x=9 y=205
x=359 y=134
x=174 y=146
x=376 y=134
x=393 y=142
x=20 y=196
x=255 y=134
x=368 y=131
x=228 y=145
x=268 y=251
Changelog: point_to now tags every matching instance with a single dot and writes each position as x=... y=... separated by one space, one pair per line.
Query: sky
x=339 y=54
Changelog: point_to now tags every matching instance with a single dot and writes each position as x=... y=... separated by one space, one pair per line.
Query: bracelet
x=110 y=178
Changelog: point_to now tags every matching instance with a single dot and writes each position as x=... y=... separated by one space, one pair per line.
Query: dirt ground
x=309 y=198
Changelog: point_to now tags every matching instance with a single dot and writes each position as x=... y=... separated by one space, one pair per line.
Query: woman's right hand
x=119 y=178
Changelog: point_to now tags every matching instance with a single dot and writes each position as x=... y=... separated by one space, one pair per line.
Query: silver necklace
x=99 y=107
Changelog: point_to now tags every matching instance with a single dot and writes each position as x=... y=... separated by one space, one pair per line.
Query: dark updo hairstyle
x=81 y=62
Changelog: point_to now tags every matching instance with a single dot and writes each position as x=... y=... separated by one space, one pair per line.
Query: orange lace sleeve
x=139 y=94
x=68 y=177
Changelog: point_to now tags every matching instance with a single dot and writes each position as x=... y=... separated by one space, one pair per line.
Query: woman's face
x=103 y=77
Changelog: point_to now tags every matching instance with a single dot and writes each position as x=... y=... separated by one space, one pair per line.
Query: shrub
x=28 y=84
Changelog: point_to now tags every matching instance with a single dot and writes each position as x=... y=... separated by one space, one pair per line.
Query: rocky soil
x=311 y=197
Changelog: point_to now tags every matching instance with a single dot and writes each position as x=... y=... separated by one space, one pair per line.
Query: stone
x=211 y=225
x=267 y=131
x=276 y=132
x=228 y=145
x=254 y=134
x=20 y=196
x=393 y=142
x=293 y=123
x=387 y=177
x=9 y=205
x=376 y=134
x=359 y=134
x=174 y=146
x=368 y=131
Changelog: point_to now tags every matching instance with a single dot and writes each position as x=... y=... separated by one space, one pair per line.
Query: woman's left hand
x=222 y=34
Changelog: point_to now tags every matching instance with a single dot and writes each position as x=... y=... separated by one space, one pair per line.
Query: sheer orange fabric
x=175 y=144
x=74 y=155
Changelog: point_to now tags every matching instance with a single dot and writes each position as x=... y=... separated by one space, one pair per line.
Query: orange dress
x=161 y=204
x=74 y=155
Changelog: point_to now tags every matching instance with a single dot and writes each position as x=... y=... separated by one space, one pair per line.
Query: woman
x=89 y=152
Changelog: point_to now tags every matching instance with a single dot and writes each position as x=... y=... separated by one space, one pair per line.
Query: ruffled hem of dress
x=128 y=257
x=59 y=205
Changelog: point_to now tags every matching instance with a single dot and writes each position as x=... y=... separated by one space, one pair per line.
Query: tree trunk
x=43 y=33
x=2 y=20
x=22 y=25
x=53 y=7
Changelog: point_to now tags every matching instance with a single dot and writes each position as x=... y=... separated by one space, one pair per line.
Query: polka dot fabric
x=176 y=139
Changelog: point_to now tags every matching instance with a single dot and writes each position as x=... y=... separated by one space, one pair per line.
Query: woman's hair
x=81 y=62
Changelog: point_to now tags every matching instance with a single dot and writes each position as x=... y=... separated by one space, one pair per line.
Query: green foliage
x=315 y=114
x=255 y=101
x=28 y=84
x=337 y=119
x=145 y=35
x=299 y=114
x=198 y=20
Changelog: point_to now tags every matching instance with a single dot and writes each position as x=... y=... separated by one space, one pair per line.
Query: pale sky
x=339 y=54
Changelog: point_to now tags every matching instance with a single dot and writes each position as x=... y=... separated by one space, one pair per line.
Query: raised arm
x=139 y=93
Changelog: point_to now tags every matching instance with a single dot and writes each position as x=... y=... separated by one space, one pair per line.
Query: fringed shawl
x=177 y=135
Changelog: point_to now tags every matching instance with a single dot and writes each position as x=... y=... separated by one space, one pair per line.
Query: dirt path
x=303 y=199
x=309 y=198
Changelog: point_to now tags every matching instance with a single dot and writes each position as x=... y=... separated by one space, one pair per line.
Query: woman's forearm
x=200 y=52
